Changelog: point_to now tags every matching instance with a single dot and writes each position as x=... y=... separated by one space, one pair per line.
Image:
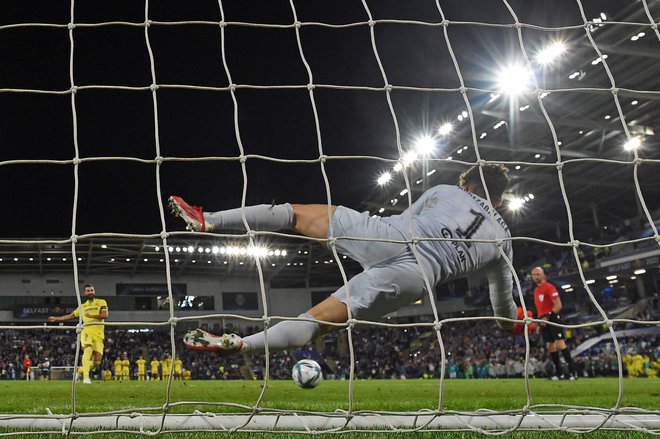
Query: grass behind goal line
x=35 y=397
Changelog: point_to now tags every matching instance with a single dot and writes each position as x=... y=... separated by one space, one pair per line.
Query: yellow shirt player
x=186 y=375
x=166 y=367
x=117 y=364
x=125 y=368
x=142 y=368
x=178 y=368
x=107 y=375
x=155 y=364
x=93 y=310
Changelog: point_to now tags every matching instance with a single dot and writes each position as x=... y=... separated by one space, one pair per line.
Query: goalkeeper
x=392 y=278
x=91 y=339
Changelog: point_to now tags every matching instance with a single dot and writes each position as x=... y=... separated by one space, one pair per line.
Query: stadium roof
x=109 y=123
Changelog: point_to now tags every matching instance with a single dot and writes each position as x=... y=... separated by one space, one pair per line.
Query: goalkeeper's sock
x=284 y=335
x=87 y=361
x=569 y=360
x=264 y=217
x=555 y=360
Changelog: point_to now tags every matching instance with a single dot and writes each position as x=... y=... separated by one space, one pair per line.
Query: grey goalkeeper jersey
x=447 y=211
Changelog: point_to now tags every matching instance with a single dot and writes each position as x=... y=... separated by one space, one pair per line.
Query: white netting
x=530 y=416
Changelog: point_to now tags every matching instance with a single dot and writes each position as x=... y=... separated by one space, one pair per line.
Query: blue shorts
x=372 y=251
x=391 y=278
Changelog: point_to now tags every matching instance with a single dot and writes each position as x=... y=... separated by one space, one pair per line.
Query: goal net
x=120 y=106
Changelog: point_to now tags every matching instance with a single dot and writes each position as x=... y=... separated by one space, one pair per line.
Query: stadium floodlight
x=104 y=246
x=403 y=192
x=516 y=203
x=551 y=53
x=640 y=271
x=424 y=145
x=397 y=167
x=514 y=79
x=531 y=196
x=566 y=287
x=157 y=248
x=632 y=144
x=590 y=281
x=381 y=210
x=431 y=172
x=191 y=249
x=215 y=249
x=612 y=277
x=447 y=128
x=634 y=103
x=384 y=178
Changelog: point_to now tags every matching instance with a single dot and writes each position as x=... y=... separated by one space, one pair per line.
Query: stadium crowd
x=474 y=349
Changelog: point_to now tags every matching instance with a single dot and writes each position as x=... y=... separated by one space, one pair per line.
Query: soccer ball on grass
x=307 y=374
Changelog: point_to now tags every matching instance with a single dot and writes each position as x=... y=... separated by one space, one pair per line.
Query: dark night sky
x=120 y=196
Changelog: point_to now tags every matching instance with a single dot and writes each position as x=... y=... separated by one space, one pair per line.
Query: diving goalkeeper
x=392 y=278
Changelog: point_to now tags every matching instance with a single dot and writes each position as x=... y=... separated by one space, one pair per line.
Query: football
x=307 y=374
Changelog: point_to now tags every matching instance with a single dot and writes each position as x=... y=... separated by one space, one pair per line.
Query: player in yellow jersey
x=125 y=368
x=155 y=364
x=178 y=368
x=142 y=368
x=117 y=364
x=166 y=367
x=186 y=375
x=107 y=375
x=93 y=310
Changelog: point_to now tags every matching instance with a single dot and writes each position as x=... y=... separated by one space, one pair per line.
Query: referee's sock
x=555 y=360
x=569 y=360
x=284 y=335
x=265 y=217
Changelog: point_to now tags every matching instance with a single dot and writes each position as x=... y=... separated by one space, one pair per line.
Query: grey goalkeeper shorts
x=391 y=278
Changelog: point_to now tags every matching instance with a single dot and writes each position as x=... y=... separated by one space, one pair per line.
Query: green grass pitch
x=388 y=395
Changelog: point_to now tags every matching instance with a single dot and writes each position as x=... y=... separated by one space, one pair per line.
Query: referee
x=548 y=305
